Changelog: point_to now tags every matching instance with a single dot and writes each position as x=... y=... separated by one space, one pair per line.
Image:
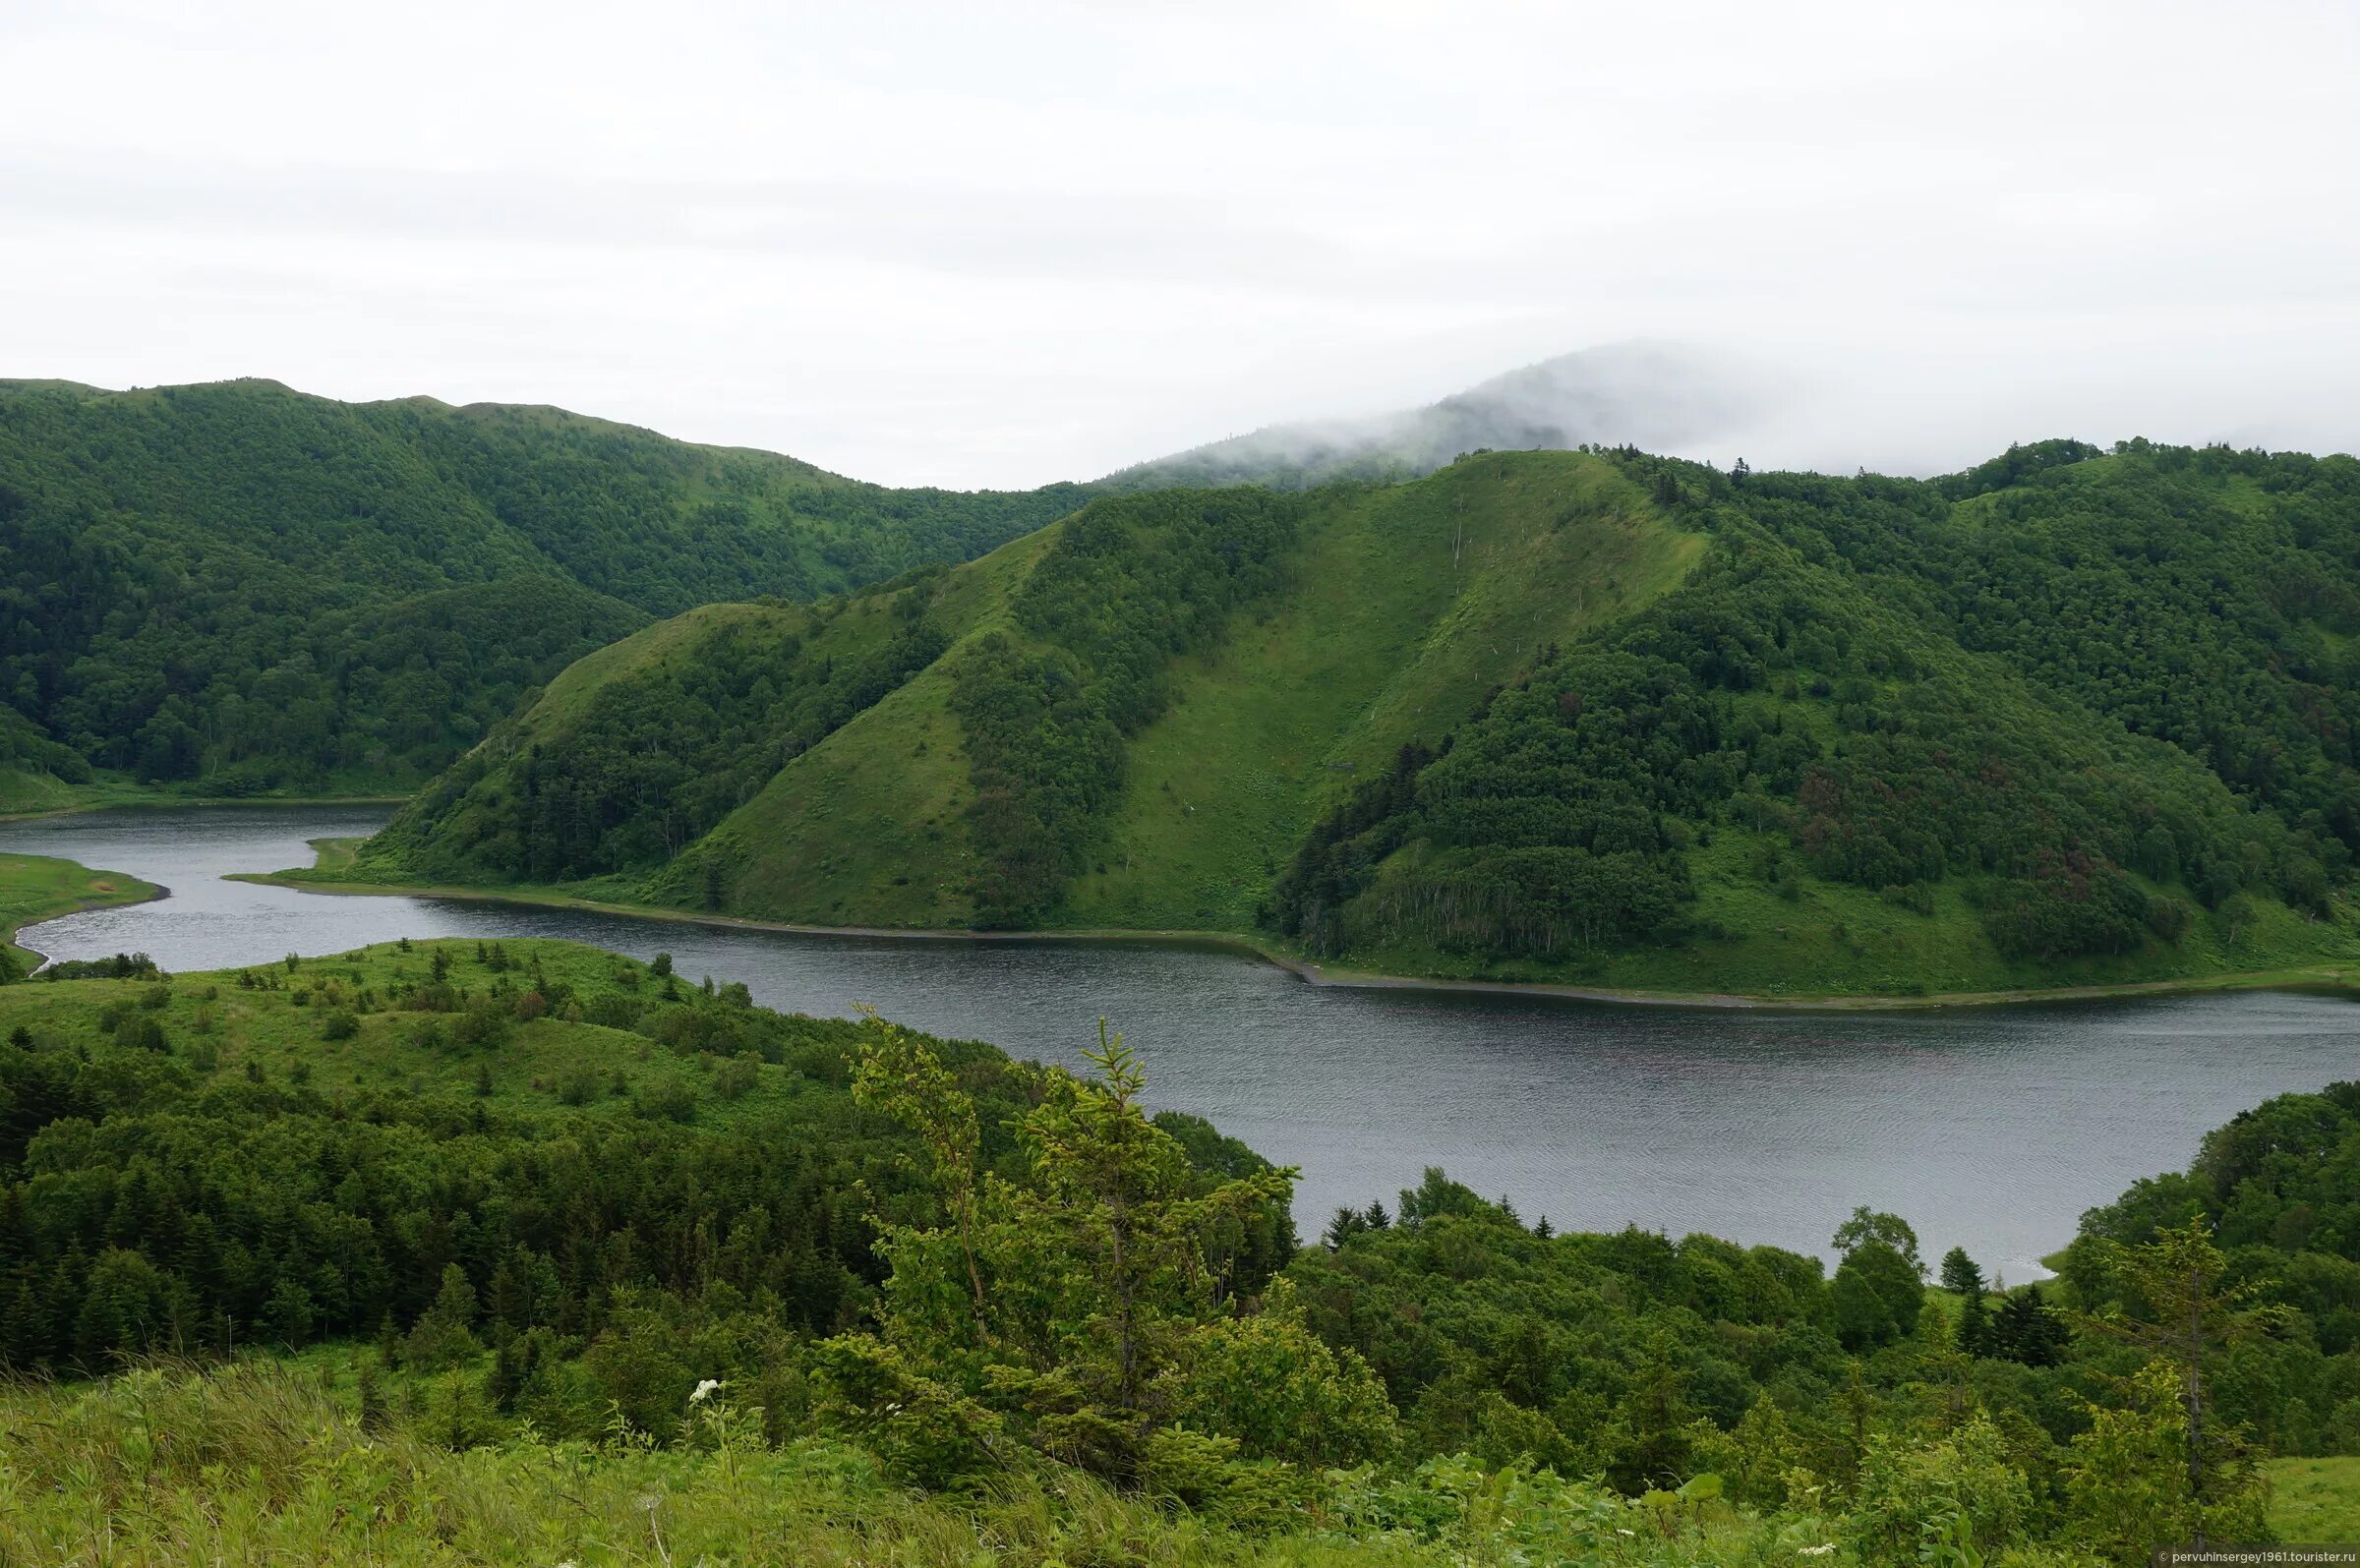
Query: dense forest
x=504 y=1197
x=1599 y=718
x=1785 y=700
x=242 y=589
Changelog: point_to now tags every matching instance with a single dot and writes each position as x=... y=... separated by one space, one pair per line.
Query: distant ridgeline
x=2071 y=716
x=248 y=589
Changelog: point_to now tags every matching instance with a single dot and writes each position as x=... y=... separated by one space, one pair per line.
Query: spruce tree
x=1961 y=1276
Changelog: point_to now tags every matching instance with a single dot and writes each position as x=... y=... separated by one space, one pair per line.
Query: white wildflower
x=1820 y=1550
x=1626 y=1532
x=705 y=1390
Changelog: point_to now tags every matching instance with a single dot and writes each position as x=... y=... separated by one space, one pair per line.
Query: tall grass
x=260 y=1463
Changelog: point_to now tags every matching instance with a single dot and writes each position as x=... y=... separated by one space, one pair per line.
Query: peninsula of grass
x=37 y=887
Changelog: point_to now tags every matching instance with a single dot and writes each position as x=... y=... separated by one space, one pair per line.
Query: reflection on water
x=1990 y=1128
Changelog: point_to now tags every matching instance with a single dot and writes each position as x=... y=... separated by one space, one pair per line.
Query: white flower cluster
x=705 y=1390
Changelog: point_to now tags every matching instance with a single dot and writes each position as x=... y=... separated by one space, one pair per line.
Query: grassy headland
x=37 y=887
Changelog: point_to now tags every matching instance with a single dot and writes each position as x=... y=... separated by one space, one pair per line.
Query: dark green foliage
x=653 y=763
x=1547 y=816
x=1069 y=1279
x=1908 y=690
x=146 y=1206
x=2281 y=1184
x=2027 y=1329
x=1587 y=1352
x=122 y=966
x=1129 y=585
x=256 y=590
x=150 y=1203
x=2204 y=596
x=1877 y=1297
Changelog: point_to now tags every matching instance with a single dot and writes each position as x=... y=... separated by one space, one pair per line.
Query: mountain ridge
x=242 y=589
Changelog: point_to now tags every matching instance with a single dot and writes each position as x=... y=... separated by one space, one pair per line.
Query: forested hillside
x=1599 y=718
x=244 y=589
x=532 y=1243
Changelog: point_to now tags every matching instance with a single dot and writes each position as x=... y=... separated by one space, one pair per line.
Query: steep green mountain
x=1553 y=716
x=246 y=588
x=1129 y=718
x=1656 y=396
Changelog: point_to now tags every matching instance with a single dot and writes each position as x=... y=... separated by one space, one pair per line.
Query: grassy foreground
x=37 y=887
x=265 y=1462
x=280 y=1460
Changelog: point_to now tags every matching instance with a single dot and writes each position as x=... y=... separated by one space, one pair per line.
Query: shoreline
x=151 y=894
x=2337 y=980
x=195 y=802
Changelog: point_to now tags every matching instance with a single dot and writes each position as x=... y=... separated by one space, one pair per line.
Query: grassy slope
x=1380 y=638
x=1407 y=603
x=867 y=828
x=36 y=888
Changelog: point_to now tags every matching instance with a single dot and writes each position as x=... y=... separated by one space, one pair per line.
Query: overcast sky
x=992 y=244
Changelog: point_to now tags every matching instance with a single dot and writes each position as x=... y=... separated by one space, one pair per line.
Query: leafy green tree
x=1877 y=1297
x=1058 y=1309
x=1270 y=1381
x=443 y=1336
x=2177 y=1304
x=2140 y=1476
x=1960 y=1498
x=1866 y=1225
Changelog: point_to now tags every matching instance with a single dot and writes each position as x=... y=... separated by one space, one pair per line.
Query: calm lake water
x=1988 y=1128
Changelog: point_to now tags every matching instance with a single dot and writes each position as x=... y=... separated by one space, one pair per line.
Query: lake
x=1991 y=1128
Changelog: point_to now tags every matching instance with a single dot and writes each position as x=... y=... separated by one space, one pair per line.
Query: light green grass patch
x=2315 y=1501
x=1404 y=606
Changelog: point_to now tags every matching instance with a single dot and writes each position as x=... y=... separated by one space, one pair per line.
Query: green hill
x=1167 y=685
x=242 y=589
x=1600 y=718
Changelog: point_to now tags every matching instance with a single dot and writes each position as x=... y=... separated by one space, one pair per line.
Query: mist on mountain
x=1656 y=396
